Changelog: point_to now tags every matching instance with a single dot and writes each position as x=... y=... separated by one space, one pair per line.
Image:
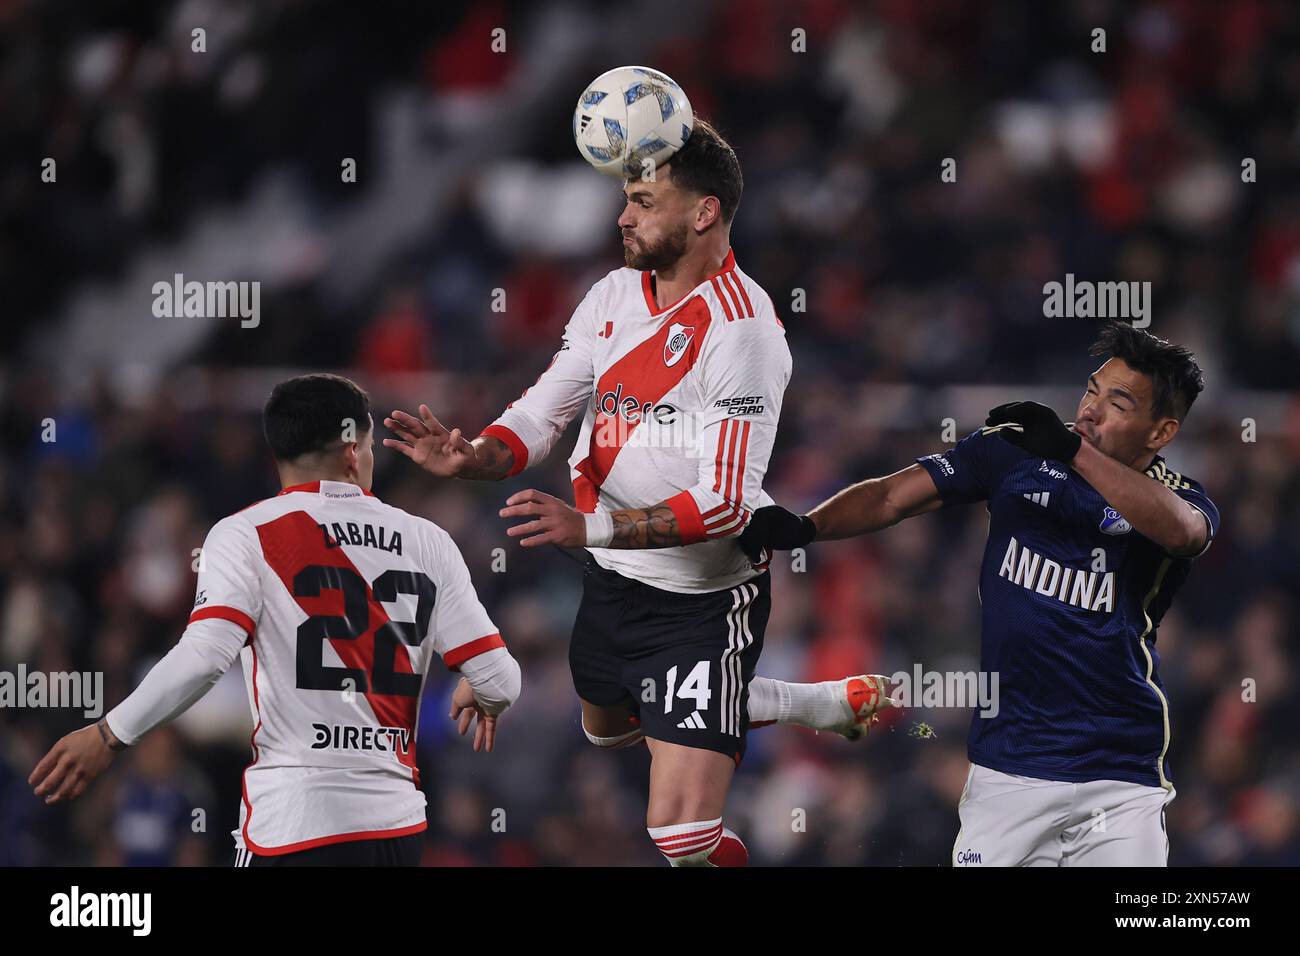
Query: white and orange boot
x=862 y=698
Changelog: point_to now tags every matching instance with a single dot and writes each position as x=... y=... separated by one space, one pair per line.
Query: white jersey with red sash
x=345 y=601
x=680 y=404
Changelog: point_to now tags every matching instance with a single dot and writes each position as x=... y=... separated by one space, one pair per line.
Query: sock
x=702 y=843
x=730 y=852
x=768 y=700
x=819 y=706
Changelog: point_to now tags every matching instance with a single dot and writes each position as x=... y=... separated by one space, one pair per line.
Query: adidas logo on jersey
x=1038 y=497
x=693 y=722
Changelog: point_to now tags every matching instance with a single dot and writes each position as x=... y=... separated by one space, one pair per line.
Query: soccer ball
x=631 y=120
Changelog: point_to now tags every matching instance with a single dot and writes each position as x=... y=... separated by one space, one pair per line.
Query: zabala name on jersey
x=354 y=737
x=362 y=536
x=1089 y=590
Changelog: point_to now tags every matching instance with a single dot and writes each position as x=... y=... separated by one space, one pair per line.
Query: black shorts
x=388 y=851
x=681 y=663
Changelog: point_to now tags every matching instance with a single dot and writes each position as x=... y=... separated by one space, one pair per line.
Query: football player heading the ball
x=671 y=624
x=1090 y=536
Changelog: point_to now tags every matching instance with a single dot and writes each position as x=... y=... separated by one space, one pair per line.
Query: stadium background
x=924 y=302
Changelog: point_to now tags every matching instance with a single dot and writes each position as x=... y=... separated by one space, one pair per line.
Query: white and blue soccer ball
x=631 y=120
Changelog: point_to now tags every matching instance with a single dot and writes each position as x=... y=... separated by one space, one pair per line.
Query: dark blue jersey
x=1071 y=596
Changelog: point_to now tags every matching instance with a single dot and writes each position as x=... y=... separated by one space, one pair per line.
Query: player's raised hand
x=464 y=707
x=428 y=443
x=66 y=771
x=554 y=522
x=1035 y=428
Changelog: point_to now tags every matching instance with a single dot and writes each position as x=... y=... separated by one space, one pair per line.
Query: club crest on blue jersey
x=1112 y=522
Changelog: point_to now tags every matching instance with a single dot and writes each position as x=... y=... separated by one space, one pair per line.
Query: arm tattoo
x=494 y=459
x=654 y=527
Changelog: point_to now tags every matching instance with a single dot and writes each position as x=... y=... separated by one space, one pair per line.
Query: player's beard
x=661 y=255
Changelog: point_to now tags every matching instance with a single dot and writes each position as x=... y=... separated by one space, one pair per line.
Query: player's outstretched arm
x=187 y=672
x=876 y=503
x=859 y=509
x=227 y=608
x=527 y=430
x=867 y=506
x=864 y=507
x=446 y=453
x=555 y=522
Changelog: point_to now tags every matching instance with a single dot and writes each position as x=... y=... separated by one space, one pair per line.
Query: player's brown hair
x=707 y=166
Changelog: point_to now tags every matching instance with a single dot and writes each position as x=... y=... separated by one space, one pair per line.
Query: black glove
x=775 y=529
x=1035 y=428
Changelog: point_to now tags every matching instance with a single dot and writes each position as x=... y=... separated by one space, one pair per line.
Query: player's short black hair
x=707 y=166
x=1176 y=378
x=309 y=413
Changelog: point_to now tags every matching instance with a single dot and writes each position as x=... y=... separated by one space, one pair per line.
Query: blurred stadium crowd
x=923 y=303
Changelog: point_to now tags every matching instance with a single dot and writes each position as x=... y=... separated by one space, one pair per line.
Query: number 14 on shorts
x=695 y=687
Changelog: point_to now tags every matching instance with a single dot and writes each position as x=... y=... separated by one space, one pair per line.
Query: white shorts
x=1008 y=820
